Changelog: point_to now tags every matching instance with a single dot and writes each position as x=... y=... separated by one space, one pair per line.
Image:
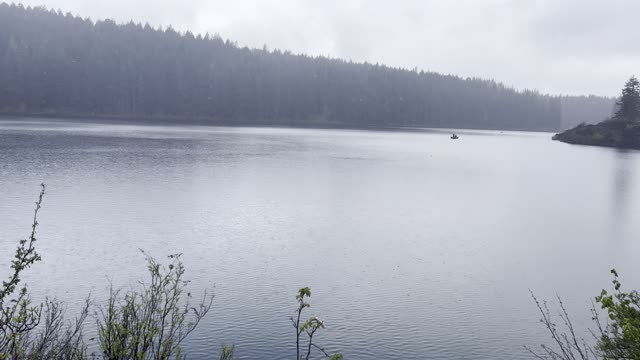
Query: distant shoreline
x=201 y=121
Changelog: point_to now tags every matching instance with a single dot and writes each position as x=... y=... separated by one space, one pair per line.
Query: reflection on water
x=412 y=244
x=623 y=187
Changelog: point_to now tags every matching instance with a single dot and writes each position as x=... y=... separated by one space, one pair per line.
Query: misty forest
x=432 y=214
x=59 y=64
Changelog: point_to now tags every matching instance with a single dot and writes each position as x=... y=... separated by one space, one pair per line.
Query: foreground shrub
x=29 y=331
x=309 y=327
x=620 y=339
x=149 y=323
x=153 y=322
x=617 y=338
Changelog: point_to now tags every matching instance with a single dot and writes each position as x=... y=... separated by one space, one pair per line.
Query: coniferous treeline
x=58 y=64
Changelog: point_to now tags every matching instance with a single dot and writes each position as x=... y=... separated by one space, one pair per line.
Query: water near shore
x=415 y=246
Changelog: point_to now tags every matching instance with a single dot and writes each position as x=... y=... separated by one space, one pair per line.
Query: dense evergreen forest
x=57 y=64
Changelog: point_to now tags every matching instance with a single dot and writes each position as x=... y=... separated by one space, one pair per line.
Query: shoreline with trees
x=620 y=131
x=81 y=68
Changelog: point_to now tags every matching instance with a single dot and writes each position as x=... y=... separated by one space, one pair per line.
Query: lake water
x=414 y=246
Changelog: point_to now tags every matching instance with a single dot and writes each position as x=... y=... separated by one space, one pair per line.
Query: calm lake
x=415 y=246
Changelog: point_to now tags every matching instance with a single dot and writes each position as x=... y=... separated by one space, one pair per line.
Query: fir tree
x=629 y=103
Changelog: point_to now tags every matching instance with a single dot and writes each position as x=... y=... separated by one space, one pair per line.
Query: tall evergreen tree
x=629 y=103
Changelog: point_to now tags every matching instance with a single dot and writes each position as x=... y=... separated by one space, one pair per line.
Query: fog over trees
x=58 y=64
x=585 y=109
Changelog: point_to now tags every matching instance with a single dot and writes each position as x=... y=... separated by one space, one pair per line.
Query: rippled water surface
x=415 y=246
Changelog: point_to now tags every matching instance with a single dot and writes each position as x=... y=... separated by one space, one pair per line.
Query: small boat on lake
x=454 y=137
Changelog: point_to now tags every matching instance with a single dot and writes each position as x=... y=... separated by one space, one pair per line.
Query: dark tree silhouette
x=629 y=103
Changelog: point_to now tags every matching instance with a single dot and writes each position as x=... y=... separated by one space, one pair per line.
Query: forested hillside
x=57 y=64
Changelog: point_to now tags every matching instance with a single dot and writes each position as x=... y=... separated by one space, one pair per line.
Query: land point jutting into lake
x=620 y=131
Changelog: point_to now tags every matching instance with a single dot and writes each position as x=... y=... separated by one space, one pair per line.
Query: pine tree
x=629 y=103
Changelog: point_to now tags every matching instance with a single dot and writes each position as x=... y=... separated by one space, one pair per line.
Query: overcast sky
x=556 y=46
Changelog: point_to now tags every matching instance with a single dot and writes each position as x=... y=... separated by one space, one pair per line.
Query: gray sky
x=556 y=46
